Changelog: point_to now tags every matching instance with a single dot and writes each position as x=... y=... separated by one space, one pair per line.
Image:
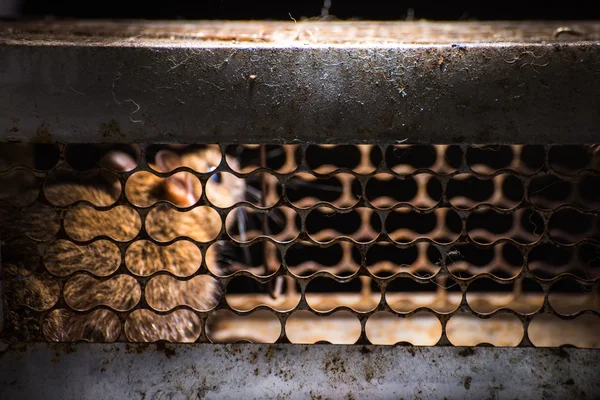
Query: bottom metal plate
x=207 y=371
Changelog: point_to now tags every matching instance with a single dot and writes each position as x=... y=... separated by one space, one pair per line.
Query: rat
x=142 y=257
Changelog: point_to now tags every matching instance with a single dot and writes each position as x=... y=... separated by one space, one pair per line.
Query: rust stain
x=165 y=348
x=253 y=358
x=15 y=128
x=270 y=353
x=335 y=367
x=466 y=352
x=232 y=349
x=136 y=348
x=562 y=353
x=56 y=358
x=110 y=129
x=467 y=382
x=42 y=135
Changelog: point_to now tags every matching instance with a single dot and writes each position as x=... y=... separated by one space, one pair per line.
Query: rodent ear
x=118 y=161
x=167 y=161
x=180 y=189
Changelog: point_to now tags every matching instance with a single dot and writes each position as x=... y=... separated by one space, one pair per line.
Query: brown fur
x=122 y=292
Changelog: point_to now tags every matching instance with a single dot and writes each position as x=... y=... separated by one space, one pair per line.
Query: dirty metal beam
x=310 y=82
x=129 y=371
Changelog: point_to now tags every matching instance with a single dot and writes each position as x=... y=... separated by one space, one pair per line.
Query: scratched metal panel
x=85 y=88
x=121 y=371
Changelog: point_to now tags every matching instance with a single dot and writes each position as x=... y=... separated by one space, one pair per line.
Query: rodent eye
x=215 y=177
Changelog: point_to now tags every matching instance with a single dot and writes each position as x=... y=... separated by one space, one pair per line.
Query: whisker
x=242 y=219
x=239 y=150
x=299 y=182
x=276 y=218
x=254 y=161
x=276 y=152
x=254 y=192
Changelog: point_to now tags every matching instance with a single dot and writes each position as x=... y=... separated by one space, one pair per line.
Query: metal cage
x=428 y=186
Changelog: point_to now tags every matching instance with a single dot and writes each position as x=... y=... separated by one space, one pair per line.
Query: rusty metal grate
x=380 y=244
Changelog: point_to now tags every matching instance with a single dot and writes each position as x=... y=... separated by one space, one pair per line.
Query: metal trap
x=361 y=184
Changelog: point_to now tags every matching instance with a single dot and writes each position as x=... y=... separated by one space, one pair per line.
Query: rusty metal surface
x=80 y=371
x=73 y=83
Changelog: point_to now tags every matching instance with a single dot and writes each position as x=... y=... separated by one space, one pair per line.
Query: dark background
x=299 y=9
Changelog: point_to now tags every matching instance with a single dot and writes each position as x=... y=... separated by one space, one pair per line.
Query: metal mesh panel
x=427 y=244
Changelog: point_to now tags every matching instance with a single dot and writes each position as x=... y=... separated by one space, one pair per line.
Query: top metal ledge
x=325 y=82
x=273 y=33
